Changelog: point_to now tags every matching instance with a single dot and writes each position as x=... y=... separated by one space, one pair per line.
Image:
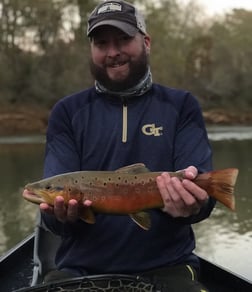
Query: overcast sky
x=222 y=6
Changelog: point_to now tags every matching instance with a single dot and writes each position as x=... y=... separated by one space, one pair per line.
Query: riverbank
x=33 y=120
x=23 y=120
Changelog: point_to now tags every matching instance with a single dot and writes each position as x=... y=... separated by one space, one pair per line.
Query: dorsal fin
x=133 y=168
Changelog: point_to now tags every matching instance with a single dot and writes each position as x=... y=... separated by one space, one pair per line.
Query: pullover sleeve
x=61 y=156
x=61 y=152
x=192 y=147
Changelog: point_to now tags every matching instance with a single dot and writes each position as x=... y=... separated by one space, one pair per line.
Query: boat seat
x=45 y=247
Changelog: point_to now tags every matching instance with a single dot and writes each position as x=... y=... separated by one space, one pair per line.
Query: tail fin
x=219 y=184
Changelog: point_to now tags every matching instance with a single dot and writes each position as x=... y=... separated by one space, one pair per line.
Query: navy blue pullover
x=163 y=129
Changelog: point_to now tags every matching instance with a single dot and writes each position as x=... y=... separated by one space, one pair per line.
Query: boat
x=21 y=270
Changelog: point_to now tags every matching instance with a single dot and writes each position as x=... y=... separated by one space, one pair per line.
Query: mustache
x=118 y=60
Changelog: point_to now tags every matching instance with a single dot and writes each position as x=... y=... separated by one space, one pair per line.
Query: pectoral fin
x=142 y=219
x=87 y=215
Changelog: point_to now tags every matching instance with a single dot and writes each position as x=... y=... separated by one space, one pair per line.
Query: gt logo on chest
x=152 y=130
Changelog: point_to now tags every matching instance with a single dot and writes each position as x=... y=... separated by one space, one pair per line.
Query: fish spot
x=48 y=187
x=150 y=189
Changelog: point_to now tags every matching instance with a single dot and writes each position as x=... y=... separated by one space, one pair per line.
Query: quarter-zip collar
x=124 y=96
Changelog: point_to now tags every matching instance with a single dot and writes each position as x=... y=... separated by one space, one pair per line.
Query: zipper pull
x=125 y=122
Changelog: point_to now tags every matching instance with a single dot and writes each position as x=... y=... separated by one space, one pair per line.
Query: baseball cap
x=119 y=14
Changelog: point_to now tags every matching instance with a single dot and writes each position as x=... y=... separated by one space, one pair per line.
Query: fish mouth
x=32 y=196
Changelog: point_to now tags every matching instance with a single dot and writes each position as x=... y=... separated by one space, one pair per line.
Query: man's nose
x=113 y=49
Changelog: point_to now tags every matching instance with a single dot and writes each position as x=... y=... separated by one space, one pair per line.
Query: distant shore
x=33 y=120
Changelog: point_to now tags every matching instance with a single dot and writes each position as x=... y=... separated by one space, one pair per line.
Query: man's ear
x=147 y=43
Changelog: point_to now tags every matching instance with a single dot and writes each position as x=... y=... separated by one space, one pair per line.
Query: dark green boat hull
x=16 y=268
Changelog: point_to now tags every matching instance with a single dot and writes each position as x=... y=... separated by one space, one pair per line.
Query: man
x=125 y=119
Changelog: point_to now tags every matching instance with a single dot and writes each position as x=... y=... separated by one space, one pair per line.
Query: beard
x=137 y=70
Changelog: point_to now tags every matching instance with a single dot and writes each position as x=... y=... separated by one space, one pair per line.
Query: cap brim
x=125 y=27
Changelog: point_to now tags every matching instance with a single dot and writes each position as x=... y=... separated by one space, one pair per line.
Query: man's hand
x=62 y=212
x=181 y=198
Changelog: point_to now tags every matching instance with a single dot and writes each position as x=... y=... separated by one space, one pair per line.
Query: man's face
x=118 y=61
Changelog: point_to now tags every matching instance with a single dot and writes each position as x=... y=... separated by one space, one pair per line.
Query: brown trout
x=129 y=190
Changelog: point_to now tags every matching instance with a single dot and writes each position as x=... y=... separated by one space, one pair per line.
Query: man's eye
x=100 y=42
x=126 y=37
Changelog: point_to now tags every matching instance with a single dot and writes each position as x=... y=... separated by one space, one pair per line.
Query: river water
x=225 y=238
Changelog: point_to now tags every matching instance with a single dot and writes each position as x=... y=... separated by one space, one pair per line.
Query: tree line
x=44 y=51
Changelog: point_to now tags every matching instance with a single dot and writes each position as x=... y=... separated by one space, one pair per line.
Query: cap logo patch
x=109 y=7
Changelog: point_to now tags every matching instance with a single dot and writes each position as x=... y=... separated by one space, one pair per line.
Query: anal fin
x=142 y=219
x=87 y=215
